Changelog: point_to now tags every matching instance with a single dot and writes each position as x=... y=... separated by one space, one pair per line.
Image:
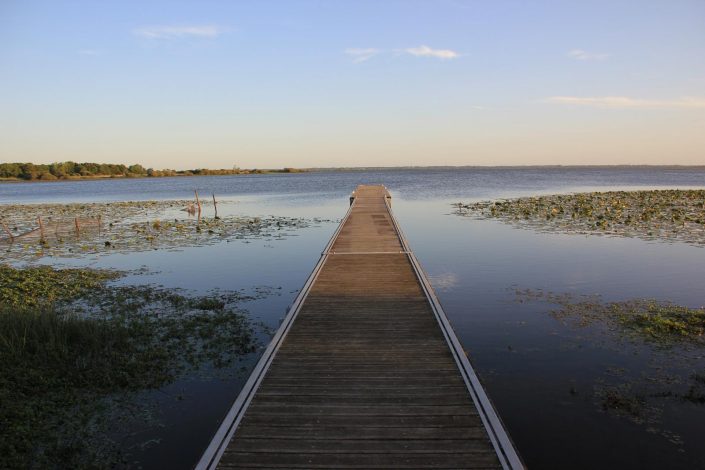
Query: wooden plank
x=364 y=377
x=331 y=409
x=362 y=432
x=356 y=460
x=286 y=420
x=362 y=446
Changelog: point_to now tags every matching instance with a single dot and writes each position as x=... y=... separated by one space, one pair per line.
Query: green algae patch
x=660 y=322
x=43 y=285
x=72 y=356
x=663 y=322
x=669 y=215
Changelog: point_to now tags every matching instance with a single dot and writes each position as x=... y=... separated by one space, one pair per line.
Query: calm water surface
x=542 y=375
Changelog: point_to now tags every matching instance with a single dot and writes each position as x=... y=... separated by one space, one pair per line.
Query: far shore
x=208 y=172
x=134 y=176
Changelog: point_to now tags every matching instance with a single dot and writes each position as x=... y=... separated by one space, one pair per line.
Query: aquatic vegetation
x=71 y=356
x=659 y=322
x=126 y=227
x=672 y=215
x=41 y=285
x=672 y=337
x=623 y=401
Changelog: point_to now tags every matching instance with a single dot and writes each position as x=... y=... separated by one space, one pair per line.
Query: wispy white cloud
x=425 y=51
x=361 y=54
x=626 y=102
x=178 y=31
x=579 y=54
x=89 y=52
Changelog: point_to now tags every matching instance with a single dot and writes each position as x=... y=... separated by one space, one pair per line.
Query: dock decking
x=365 y=371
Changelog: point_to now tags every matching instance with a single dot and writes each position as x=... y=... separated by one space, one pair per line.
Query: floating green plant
x=660 y=322
x=674 y=215
x=42 y=285
x=671 y=337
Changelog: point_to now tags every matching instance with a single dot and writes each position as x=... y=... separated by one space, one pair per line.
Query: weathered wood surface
x=364 y=378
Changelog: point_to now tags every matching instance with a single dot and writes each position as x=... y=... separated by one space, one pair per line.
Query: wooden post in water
x=9 y=234
x=41 y=229
x=215 y=206
x=198 y=203
x=100 y=223
x=78 y=228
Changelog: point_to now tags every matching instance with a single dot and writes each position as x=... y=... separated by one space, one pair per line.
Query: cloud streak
x=425 y=51
x=178 y=31
x=624 y=102
x=579 y=54
x=361 y=54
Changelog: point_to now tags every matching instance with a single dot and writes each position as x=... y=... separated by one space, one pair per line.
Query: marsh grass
x=669 y=215
x=71 y=355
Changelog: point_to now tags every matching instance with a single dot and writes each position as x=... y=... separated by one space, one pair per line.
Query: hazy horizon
x=313 y=84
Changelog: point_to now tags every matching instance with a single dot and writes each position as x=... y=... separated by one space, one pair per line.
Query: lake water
x=546 y=378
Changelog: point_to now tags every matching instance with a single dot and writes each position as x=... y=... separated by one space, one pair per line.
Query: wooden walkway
x=365 y=371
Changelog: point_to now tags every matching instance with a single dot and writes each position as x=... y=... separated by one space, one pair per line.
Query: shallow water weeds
x=667 y=337
x=125 y=227
x=669 y=215
x=70 y=361
x=658 y=322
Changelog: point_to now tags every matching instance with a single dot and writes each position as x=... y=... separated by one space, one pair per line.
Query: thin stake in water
x=41 y=229
x=198 y=203
x=7 y=230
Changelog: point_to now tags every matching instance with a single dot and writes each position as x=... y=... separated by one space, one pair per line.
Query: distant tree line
x=72 y=170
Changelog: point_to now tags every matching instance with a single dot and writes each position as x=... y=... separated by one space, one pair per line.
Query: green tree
x=137 y=169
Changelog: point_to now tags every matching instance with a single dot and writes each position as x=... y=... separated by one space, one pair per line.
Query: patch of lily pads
x=668 y=215
x=658 y=322
x=126 y=227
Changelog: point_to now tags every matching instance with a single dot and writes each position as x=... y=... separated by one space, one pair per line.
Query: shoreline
x=365 y=169
x=124 y=177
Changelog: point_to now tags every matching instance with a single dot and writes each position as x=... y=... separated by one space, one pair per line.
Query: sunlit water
x=542 y=375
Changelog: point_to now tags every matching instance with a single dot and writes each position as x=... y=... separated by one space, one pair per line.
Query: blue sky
x=332 y=83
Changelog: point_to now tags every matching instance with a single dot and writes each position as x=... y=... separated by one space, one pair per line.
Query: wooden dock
x=365 y=370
